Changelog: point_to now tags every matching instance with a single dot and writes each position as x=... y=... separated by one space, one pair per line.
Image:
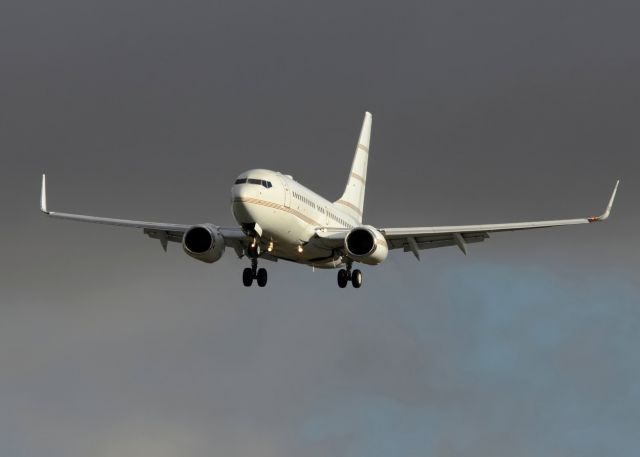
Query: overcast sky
x=492 y=111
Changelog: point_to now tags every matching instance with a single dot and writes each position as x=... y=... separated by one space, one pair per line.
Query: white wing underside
x=414 y=239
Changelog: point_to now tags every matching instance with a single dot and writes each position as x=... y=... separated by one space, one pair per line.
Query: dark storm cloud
x=483 y=112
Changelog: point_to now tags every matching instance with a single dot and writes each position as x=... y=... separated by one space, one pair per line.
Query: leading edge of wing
x=105 y=220
x=409 y=231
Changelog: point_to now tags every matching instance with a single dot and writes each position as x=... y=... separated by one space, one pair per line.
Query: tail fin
x=352 y=201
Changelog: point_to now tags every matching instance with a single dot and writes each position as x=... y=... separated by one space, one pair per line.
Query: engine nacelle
x=365 y=244
x=203 y=242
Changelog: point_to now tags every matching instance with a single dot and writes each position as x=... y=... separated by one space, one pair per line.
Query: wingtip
x=604 y=216
x=43 y=195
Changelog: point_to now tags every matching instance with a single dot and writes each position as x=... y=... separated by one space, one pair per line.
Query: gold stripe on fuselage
x=268 y=204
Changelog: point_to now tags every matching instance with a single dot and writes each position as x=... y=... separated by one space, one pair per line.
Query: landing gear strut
x=249 y=274
x=345 y=275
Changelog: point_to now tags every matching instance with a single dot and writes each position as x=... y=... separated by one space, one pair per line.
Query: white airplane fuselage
x=286 y=215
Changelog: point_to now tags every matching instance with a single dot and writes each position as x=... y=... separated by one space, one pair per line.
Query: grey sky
x=488 y=111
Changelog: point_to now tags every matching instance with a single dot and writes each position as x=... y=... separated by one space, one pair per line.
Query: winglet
x=43 y=195
x=604 y=216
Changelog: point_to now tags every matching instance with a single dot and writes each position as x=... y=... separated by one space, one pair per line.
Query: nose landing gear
x=249 y=274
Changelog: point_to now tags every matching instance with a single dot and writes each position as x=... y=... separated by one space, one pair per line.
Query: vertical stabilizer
x=352 y=201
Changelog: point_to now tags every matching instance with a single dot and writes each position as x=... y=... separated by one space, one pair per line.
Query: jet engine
x=365 y=244
x=203 y=242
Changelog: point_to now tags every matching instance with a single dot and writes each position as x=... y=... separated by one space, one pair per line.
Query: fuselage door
x=287 y=192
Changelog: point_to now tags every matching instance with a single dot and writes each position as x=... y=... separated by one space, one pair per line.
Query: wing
x=163 y=231
x=413 y=239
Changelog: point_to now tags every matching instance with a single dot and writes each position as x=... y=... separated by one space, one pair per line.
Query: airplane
x=280 y=219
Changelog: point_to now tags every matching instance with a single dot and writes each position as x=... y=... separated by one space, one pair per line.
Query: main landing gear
x=345 y=275
x=249 y=274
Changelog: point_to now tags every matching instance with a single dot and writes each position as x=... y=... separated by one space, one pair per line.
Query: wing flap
x=431 y=243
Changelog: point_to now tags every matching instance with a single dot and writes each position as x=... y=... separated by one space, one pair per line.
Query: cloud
x=483 y=359
x=522 y=362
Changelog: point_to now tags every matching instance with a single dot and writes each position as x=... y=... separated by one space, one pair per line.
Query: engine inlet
x=198 y=240
x=360 y=242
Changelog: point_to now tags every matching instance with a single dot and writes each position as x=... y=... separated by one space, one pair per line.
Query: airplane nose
x=239 y=207
x=239 y=191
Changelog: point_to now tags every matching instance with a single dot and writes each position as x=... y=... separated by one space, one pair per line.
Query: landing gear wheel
x=343 y=278
x=356 y=278
x=247 y=277
x=261 y=277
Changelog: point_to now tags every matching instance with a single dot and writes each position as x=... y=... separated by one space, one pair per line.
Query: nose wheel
x=247 y=277
x=253 y=272
x=345 y=275
x=261 y=277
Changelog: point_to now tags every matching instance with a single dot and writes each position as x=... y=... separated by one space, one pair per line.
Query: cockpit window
x=260 y=182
